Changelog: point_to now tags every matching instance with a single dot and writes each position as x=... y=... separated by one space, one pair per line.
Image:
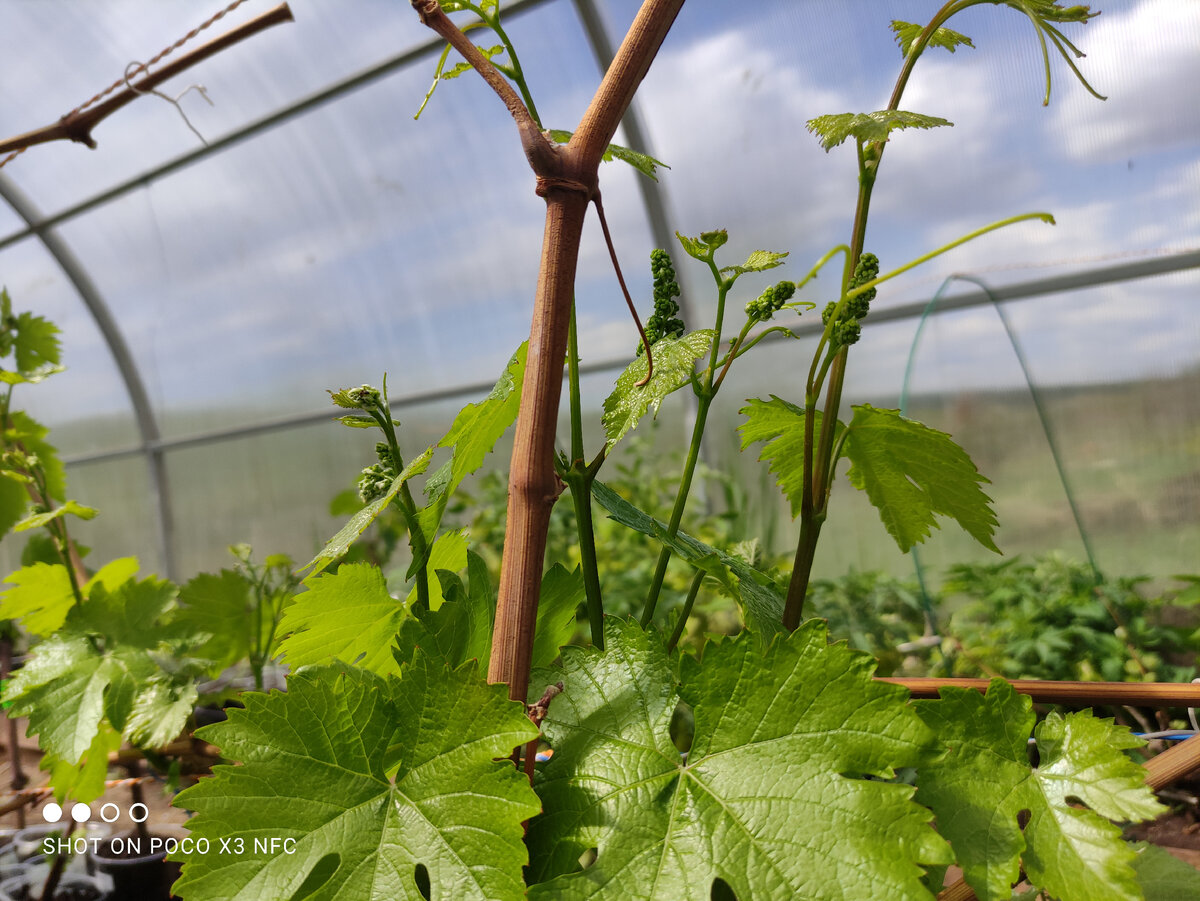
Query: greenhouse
x=566 y=449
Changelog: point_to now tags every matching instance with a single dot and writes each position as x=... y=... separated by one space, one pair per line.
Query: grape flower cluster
x=373 y=482
x=770 y=301
x=663 y=322
x=848 y=330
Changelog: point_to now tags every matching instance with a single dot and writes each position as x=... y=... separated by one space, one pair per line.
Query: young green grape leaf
x=674 y=365
x=984 y=789
x=643 y=162
x=758 y=261
x=37 y=520
x=463 y=67
x=460 y=627
x=220 y=606
x=347 y=616
x=778 y=798
x=448 y=553
x=760 y=600
x=14 y=498
x=562 y=593
x=83 y=781
x=1163 y=876
x=472 y=435
x=908 y=32
x=366 y=779
x=868 y=128
x=31 y=435
x=41 y=596
x=781 y=425
x=36 y=349
x=911 y=472
x=339 y=544
x=703 y=247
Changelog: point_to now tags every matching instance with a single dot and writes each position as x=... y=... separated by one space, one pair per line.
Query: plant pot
x=136 y=873
x=71 y=887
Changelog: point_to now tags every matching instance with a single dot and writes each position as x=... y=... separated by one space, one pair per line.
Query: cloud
x=1145 y=59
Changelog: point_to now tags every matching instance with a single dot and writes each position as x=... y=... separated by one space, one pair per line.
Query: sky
x=353 y=241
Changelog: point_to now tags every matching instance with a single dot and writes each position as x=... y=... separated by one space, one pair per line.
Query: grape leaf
x=771 y=797
x=911 y=472
x=907 y=32
x=339 y=544
x=460 y=68
x=220 y=606
x=103 y=664
x=758 y=261
x=979 y=790
x=781 y=425
x=37 y=520
x=1163 y=876
x=472 y=435
x=371 y=777
x=31 y=435
x=461 y=628
x=449 y=552
x=347 y=616
x=674 y=365
x=83 y=781
x=867 y=128
x=41 y=595
x=760 y=600
x=643 y=162
x=36 y=349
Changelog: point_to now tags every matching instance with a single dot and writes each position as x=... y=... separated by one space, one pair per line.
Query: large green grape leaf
x=781 y=425
x=35 y=345
x=1163 y=876
x=760 y=599
x=771 y=797
x=113 y=660
x=221 y=606
x=674 y=366
x=83 y=781
x=347 y=616
x=41 y=596
x=911 y=472
x=985 y=787
x=868 y=128
x=371 y=777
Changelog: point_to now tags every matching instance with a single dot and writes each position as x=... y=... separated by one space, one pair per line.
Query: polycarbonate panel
x=86 y=407
x=727 y=100
x=326 y=43
x=345 y=245
x=1126 y=434
x=274 y=490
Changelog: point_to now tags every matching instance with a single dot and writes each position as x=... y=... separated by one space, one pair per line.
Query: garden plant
x=767 y=764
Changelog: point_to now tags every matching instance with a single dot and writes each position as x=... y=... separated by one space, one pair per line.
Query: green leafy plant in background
x=1053 y=618
x=385 y=761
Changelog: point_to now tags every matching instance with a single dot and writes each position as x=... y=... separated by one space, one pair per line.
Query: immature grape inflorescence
x=770 y=301
x=663 y=322
x=847 y=330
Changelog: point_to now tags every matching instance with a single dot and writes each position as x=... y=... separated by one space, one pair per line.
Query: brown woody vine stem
x=78 y=125
x=567 y=177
